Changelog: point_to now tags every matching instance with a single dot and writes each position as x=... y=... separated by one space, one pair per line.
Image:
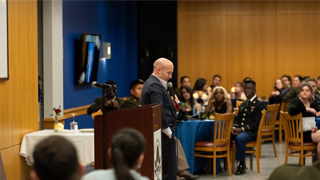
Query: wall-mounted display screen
x=87 y=65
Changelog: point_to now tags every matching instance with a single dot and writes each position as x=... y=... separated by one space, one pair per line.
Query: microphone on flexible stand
x=100 y=85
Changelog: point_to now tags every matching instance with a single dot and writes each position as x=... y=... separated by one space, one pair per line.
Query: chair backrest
x=292 y=125
x=238 y=103
x=262 y=121
x=236 y=110
x=222 y=127
x=284 y=107
x=271 y=116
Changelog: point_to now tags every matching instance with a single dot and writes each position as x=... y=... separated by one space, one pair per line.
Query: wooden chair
x=294 y=138
x=238 y=103
x=236 y=110
x=220 y=146
x=268 y=126
x=278 y=125
x=254 y=147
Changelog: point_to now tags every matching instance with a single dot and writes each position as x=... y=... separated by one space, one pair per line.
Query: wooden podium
x=147 y=120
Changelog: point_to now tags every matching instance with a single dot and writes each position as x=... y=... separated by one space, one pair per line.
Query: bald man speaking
x=155 y=91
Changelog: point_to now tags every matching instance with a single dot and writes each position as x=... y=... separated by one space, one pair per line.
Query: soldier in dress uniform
x=111 y=100
x=246 y=123
x=134 y=99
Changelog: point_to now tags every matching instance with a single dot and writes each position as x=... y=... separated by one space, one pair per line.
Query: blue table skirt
x=189 y=132
x=318 y=122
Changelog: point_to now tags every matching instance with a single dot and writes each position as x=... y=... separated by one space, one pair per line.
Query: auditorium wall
x=19 y=95
x=259 y=39
x=116 y=21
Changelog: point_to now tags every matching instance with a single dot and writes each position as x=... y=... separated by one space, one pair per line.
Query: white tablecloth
x=83 y=142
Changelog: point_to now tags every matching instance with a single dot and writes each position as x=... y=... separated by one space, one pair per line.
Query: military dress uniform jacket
x=131 y=101
x=249 y=116
x=98 y=104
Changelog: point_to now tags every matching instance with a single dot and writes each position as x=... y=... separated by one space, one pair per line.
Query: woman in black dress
x=303 y=104
x=219 y=101
x=280 y=90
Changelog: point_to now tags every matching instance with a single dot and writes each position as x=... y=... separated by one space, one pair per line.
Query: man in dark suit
x=246 y=123
x=155 y=91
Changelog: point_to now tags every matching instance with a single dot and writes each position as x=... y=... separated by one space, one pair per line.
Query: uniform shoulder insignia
x=259 y=99
x=263 y=111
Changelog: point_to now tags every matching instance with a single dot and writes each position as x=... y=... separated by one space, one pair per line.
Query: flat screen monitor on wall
x=87 y=64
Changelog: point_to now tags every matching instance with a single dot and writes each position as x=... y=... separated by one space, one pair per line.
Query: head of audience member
x=126 y=152
x=306 y=92
x=279 y=85
x=297 y=81
x=163 y=68
x=313 y=84
x=238 y=87
x=111 y=92
x=249 y=89
x=56 y=158
x=304 y=78
x=185 y=81
x=216 y=80
x=219 y=94
x=286 y=79
x=246 y=79
x=187 y=95
x=136 y=88
x=318 y=82
x=200 y=85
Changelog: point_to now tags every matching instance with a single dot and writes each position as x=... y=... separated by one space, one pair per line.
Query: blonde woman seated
x=303 y=104
x=219 y=101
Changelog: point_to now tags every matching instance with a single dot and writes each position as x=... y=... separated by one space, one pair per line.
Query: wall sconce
x=106 y=50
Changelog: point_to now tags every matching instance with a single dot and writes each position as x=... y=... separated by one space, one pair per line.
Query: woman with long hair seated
x=280 y=89
x=303 y=104
x=127 y=153
x=219 y=101
x=201 y=87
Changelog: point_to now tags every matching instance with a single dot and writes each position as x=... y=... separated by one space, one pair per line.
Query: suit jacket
x=154 y=92
x=249 y=116
x=289 y=172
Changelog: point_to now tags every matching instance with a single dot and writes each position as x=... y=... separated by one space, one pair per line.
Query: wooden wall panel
x=22 y=98
x=21 y=169
x=298 y=43
x=263 y=39
x=202 y=47
x=7 y=158
x=252 y=50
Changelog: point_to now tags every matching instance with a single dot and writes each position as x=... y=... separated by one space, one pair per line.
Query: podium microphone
x=100 y=85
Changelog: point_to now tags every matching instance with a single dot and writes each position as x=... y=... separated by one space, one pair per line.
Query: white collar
x=253 y=98
x=163 y=82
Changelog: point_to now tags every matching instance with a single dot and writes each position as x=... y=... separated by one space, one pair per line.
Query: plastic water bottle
x=203 y=113
x=194 y=109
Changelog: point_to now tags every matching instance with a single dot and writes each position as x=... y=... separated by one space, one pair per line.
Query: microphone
x=100 y=85
x=171 y=91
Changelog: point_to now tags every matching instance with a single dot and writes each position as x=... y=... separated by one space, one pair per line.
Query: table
x=83 y=142
x=189 y=132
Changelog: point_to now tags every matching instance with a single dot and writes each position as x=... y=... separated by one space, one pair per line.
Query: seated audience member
x=303 y=104
x=200 y=87
x=184 y=81
x=286 y=79
x=316 y=99
x=56 y=158
x=304 y=78
x=187 y=100
x=280 y=90
x=219 y=101
x=111 y=100
x=238 y=91
x=126 y=156
x=290 y=172
x=297 y=81
x=134 y=99
x=246 y=123
x=216 y=81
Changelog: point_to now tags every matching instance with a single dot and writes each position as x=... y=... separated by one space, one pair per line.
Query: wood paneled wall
x=259 y=39
x=19 y=95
